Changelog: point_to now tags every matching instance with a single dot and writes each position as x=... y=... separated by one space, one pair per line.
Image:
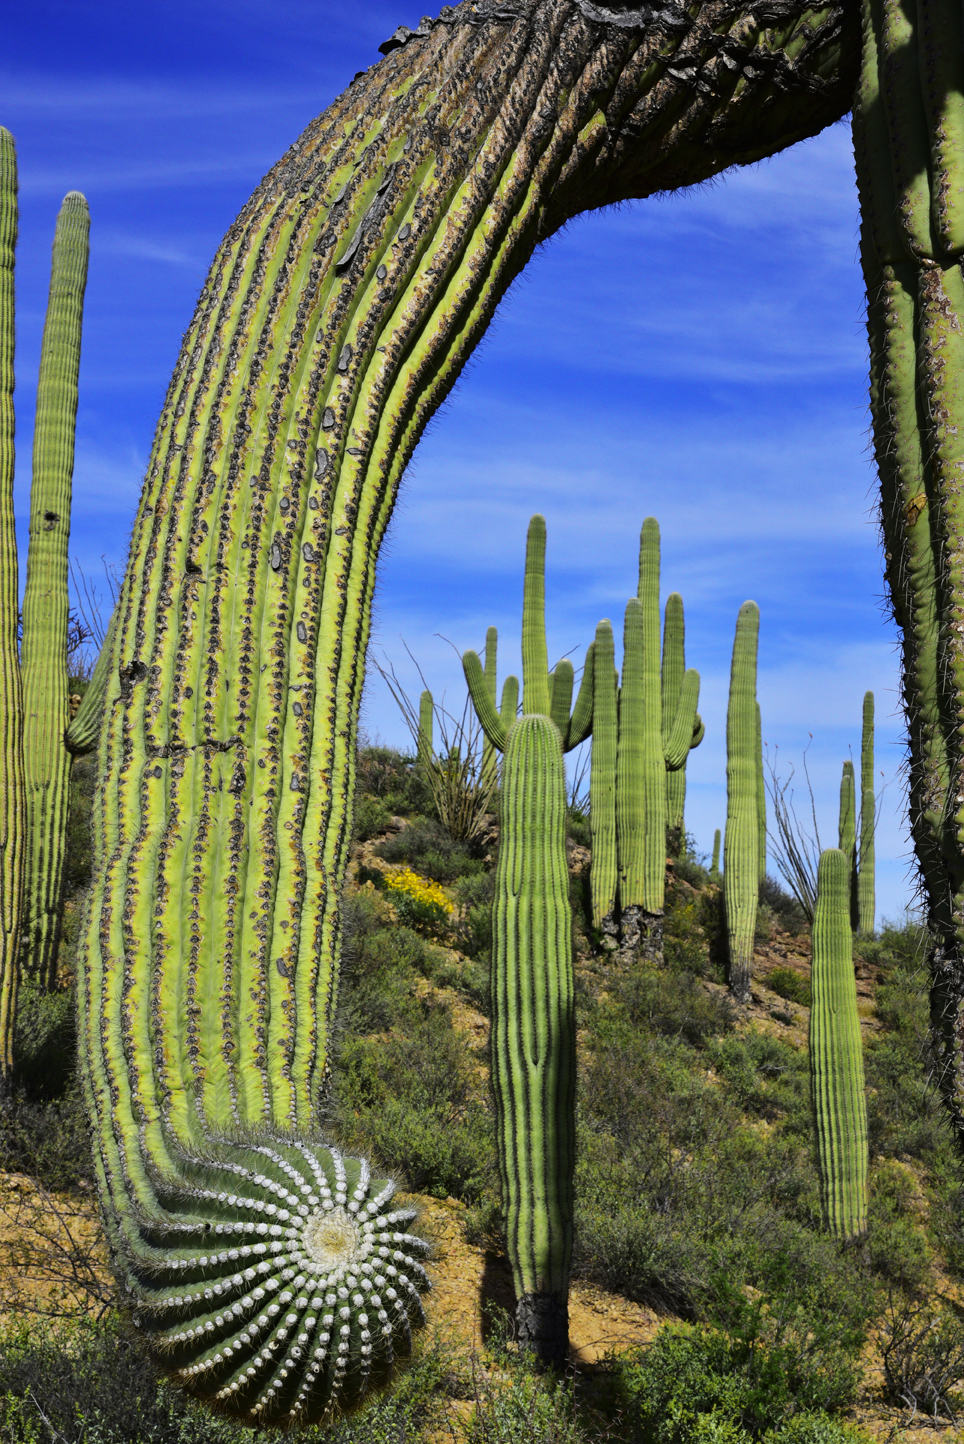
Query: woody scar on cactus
x=533 y=1057
x=337 y=316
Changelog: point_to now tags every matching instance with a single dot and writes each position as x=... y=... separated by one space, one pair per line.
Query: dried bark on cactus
x=336 y=317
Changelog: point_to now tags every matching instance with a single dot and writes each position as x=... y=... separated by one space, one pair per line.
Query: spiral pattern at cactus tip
x=278 y=1282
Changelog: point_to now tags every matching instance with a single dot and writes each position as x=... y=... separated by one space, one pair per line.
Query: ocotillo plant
x=866 y=902
x=533 y=1018
x=647 y=748
x=339 y=312
x=836 y=1055
x=741 y=844
x=43 y=650
x=907 y=143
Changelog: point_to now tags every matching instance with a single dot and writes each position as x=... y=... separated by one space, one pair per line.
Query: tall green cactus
x=907 y=135
x=847 y=823
x=741 y=844
x=533 y=1017
x=340 y=309
x=866 y=902
x=647 y=748
x=715 y=863
x=604 y=866
x=425 y=745
x=672 y=671
x=12 y=781
x=43 y=651
x=761 y=796
x=489 y=763
x=836 y=1055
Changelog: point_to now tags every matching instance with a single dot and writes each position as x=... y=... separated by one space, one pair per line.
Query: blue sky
x=700 y=358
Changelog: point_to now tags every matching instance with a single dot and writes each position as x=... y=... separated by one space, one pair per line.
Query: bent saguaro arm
x=335 y=319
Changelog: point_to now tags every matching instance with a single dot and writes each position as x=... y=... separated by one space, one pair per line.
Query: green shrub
x=49 y=1141
x=44 y=1042
x=414 y=1101
x=784 y=908
x=391 y=776
x=790 y=985
x=93 y=1386
x=432 y=851
x=372 y=818
x=698 y=1383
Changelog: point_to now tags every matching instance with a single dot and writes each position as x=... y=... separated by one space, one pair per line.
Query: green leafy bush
x=426 y=846
x=698 y=1383
x=790 y=985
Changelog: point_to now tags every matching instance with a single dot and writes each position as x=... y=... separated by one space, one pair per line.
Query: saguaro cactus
x=338 y=313
x=647 y=748
x=672 y=671
x=847 y=823
x=741 y=845
x=604 y=866
x=43 y=652
x=715 y=863
x=489 y=764
x=425 y=746
x=533 y=1018
x=12 y=782
x=907 y=141
x=866 y=902
x=836 y=1055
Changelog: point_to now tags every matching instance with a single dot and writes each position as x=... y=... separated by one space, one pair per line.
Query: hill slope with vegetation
x=708 y=1304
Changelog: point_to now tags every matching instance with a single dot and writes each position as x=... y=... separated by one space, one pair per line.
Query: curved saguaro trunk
x=43 y=652
x=12 y=784
x=336 y=317
x=908 y=144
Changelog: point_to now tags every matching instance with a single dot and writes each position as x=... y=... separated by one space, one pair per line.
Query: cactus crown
x=544 y=693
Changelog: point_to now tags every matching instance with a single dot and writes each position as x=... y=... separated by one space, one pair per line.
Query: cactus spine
x=866 y=900
x=741 y=846
x=43 y=652
x=336 y=317
x=12 y=781
x=836 y=1055
x=533 y=1018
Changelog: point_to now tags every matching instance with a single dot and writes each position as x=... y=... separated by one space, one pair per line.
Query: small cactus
x=715 y=864
x=425 y=746
x=836 y=1055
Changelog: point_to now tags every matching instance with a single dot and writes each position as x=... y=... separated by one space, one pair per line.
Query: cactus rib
x=866 y=891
